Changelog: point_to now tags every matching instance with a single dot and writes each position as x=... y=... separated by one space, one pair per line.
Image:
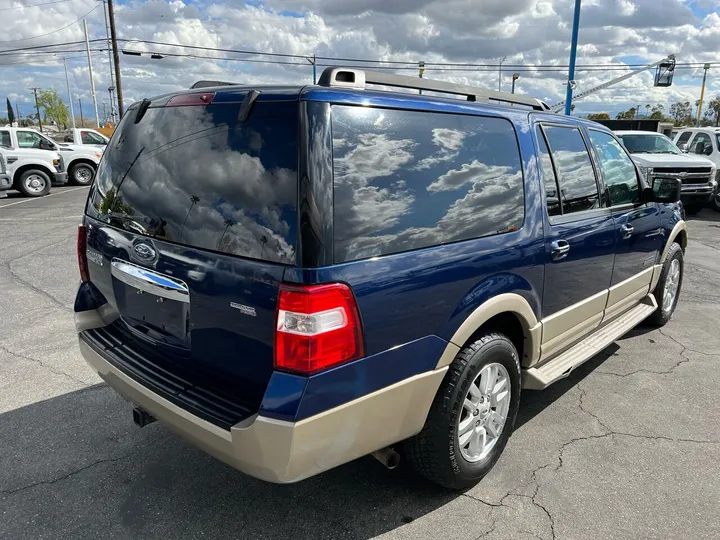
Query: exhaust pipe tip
x=388 y=457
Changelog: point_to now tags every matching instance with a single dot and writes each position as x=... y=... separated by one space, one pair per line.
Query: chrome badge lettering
x=245 y=310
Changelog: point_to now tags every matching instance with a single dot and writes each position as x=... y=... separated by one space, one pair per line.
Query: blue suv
x=295 y=277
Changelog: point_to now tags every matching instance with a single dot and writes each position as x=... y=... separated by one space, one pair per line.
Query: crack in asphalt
x=64 y=477
x=24 y=283
x=43 y=364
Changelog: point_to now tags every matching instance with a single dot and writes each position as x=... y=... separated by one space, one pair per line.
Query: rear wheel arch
x=677 y=235
x=507 y=313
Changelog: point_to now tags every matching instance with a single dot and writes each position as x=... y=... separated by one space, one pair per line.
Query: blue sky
x=476 y=31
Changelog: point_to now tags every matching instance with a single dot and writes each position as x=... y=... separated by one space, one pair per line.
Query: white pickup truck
x=82 y=137
x=81 y=161
x=658 y=157
x=32 y=160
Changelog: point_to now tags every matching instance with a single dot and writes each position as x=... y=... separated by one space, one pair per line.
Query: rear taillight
x=189 y=100
x=82 y=253
x=318 y=327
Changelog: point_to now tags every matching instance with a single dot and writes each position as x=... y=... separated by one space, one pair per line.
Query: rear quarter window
x=196 y=176
x=406 y=180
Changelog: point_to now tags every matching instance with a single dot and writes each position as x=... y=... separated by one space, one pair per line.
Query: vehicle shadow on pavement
x=75 y=466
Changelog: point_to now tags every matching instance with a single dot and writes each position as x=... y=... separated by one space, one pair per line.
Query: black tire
x=715 y=202
x=692 y=209
x=33 y=183
x=662 y=316
x=435 y=452
x=82 y=174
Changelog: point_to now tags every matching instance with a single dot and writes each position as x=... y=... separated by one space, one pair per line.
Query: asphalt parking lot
x=627 y=447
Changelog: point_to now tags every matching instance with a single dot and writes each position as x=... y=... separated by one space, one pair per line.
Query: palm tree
x=194 y=199
x=647 y=110
x=263 y=241
x=228 y=223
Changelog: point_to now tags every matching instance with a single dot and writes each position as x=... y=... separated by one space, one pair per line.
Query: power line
x=54 y=31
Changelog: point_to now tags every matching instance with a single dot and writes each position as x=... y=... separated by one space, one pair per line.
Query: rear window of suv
x=196 y=176
x=406 y=180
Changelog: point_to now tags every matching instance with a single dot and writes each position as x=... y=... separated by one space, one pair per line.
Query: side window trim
x=540 y=132
x=638 y=177
x=575 y=216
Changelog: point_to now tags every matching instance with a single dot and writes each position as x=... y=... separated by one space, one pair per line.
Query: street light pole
x=500 y=73
x=573 y=55
x=70 y=99
x=516 y=76
x=110 y=60
x=92 y=81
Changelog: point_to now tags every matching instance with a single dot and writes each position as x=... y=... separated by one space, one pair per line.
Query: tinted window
x=548 y=173
x=406 y=180
x=578 y=188
x=194 y=175
x=5 y=139
x=617 y=168
x=701 y=145
x=684 y=138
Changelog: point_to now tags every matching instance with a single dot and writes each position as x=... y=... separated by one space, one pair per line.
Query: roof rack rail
x=210 y=84
x=358 y=78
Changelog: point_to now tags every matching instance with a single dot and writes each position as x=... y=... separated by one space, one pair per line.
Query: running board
x=561 y=366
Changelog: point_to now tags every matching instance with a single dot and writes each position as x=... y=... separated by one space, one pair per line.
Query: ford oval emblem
x=145 y=252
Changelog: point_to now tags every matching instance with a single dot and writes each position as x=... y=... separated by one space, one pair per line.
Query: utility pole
x=82 y=119
x=116 y=58
x=702 y=95
x=37 y=107
x=500 y=73
x=573 y=55
x=113 y=111
x=92 y=81
x=421 y=70
x=67 y=82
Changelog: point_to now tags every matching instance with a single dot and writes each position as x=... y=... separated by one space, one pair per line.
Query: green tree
x=658 y=112
x=713 y=110
x=681 y=112
x=54 y=108
x=598 y=116
x=630 y=114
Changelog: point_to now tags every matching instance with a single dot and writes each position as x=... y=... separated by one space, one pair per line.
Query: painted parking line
x=33 y=199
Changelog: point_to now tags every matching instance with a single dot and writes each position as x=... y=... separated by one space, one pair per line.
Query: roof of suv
x=635 y=132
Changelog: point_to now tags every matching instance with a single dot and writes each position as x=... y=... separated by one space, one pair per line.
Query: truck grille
x=220 y=409
x=696 y=175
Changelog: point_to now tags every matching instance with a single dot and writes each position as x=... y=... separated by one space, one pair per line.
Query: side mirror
x=708 y=150
x=683 y=147
x=664 y=190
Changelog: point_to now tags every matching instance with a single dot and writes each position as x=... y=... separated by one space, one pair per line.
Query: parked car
x=33 y=162
x=5 y=180
x=658 y=156
x=82 y=137
x=395 y=268
x=703 y=142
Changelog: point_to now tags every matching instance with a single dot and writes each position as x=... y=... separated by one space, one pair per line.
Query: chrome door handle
x=150 y=282
x=627 y=231
x=560 y=250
